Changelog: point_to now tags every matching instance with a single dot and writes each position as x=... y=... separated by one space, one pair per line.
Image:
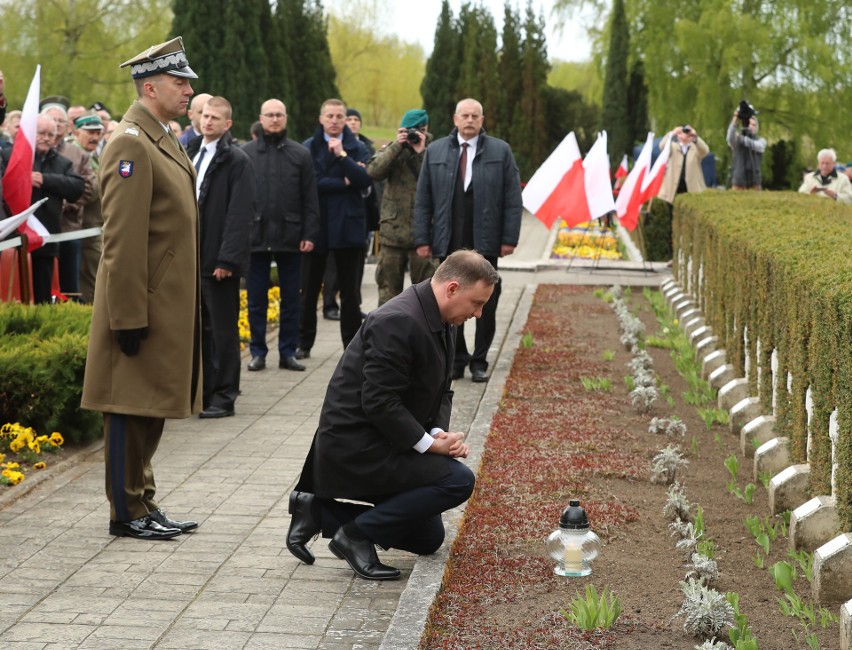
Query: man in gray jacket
x=469 y=196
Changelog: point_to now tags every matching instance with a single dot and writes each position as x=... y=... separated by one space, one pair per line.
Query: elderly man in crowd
x=72 y=213
x=88 y=133
x=827 y=181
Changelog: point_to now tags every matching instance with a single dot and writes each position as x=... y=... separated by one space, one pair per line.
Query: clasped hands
x=449 y=443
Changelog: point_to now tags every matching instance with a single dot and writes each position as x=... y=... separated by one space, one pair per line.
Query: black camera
x=413 y=136
x=686 y=129
x=745 y=112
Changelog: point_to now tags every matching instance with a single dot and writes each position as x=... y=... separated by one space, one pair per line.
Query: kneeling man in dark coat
x=383 y=434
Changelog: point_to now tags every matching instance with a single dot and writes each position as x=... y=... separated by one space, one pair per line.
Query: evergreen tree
x=479 y=78
x=438 y=87
x=303 y=29
x=279 y=84
x=510 y=70
x=614 y=115
x=224 y=47
x=567 y=111
x=637 y=104
x=529 y=137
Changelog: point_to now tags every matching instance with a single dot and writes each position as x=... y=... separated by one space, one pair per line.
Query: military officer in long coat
x=144 y=361
x=383 y=435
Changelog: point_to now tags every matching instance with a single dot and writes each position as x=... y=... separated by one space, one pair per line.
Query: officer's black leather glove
x=129 y=340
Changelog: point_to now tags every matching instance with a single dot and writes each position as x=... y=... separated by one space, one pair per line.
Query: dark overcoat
x=341 y=183
x=148 y=276
x=391 y=385
x=226 y=207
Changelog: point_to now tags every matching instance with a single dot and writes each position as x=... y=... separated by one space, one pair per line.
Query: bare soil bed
x=551 y=441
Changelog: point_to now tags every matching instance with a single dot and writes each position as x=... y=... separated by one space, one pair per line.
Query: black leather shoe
x=478 y=375
x=215 y=412
x=302 y=354
x=458 y=373
x=331 y=314
x=163 y=519
x=290 y=363
x=142 y=528
x=361 y=557
x=303 y=526
x=257 y=363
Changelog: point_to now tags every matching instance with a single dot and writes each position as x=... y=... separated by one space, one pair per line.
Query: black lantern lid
x=574 y=517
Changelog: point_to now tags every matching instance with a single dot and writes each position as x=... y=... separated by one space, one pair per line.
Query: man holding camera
x=683 y=172
x=398 y=163
x=828 y=181
x=747 y=149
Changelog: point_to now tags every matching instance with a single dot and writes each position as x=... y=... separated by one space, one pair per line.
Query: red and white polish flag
x=557 y=189
x=596 y=180
x=18 y=178
x=630 y=197
x=621 y=172
x=654 y=179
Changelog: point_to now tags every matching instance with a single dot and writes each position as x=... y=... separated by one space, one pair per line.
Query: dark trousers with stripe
x=130 y=442
x=410 y=520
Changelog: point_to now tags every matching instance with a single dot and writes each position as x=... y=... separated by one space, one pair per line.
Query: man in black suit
x=383 y=432
x=225 y=189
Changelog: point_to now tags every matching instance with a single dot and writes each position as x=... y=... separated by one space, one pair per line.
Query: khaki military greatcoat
x=148 y=276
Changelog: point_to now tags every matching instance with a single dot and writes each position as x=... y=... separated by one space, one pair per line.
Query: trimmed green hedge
x=42 y=359
x=779 y=267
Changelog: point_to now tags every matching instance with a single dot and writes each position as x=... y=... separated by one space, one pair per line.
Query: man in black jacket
x=286 y=224
x=225 y=190
x=52 y=178
x=383 y=436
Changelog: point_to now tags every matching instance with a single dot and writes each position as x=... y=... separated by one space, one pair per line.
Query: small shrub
x=706 y=611
x=703 y=568
x=666 y=465
x=677 y=507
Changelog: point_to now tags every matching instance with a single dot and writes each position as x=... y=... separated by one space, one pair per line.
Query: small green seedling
x=608 y=355
x=527 y=341
x=593 y=611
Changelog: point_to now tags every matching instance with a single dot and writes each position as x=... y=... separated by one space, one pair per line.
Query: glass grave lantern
x=574 y=546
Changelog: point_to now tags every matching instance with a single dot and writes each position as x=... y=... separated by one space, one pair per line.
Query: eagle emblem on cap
x=125 y=168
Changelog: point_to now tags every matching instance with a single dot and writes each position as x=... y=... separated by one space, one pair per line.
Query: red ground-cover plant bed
x=551 y=440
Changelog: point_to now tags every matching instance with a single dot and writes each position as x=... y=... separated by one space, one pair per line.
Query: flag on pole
x=654 y=179
x=18 y=178
x=557 y=190
x=630 y=197
x=621 y=172
x=596 y=181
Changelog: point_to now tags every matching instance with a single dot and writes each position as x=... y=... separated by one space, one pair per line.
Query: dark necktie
x=200 y=158
x=463 y=163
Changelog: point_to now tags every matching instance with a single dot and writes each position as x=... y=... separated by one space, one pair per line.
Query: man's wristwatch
x=343 y=154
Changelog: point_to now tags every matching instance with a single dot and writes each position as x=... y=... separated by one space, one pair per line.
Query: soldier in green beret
x=398 y=163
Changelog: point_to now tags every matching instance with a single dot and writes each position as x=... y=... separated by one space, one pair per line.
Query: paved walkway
x=66 y=583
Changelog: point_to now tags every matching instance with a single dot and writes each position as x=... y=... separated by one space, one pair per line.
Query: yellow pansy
x=39 y=465
x=56 y=438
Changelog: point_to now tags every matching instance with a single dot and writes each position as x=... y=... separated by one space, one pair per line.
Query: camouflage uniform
x=399 y=166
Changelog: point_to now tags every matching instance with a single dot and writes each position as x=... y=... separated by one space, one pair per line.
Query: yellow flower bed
x=586 y=241
x=27 y=447
x=273 y=313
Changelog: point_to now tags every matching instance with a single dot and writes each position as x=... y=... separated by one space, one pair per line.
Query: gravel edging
x=409 y=620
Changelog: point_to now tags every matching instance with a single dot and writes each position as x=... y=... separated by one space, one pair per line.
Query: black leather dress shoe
x=302 y=354
x=290 y=363
x=142 y=528
x=303 y=526
x=478 y=375
x=361 y=556
x=458 y=373
x=163 y=519
x=331 y=314
x=215 y=412
x=257 y=363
